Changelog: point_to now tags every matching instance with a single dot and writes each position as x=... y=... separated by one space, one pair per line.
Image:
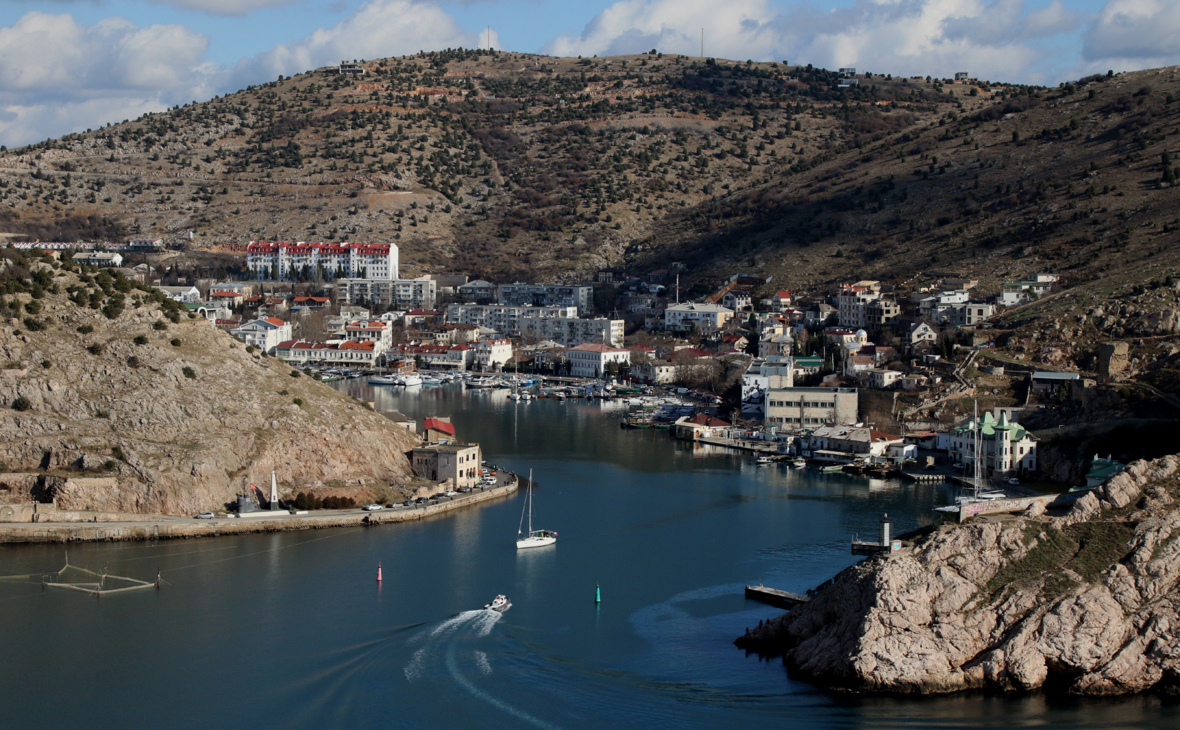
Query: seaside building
x=810 y=407
x=1007 y=447
x=592 y=361
x=420 y=293
x=284 y=261
x=440 y=462
x=98 y=259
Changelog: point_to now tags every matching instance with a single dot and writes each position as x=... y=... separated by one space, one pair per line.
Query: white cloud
x=986 y=37
x=57 y=75
x=378 y=29
x=1147 y=31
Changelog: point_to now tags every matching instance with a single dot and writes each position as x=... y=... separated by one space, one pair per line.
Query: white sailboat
x=536 y=538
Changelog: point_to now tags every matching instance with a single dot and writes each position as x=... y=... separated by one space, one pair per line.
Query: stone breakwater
x=164 y=527
x=1083 y=602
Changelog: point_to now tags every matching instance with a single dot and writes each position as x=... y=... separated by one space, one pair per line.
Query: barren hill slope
x=176 y=410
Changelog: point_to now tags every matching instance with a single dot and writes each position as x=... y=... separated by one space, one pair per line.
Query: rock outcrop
x=1085 y=602
x=177 y=417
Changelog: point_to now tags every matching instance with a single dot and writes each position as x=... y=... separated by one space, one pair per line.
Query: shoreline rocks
x=1085 y=602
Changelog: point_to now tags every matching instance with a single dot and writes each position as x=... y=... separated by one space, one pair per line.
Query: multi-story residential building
x=1007 y=447
x=478 y=291
x=704 y=318
x=779 y=345
x=809 y=407
x=420 y=293
x=272 y=260
x=492 y=354
x=504 y=318
x=548 y=295
x=655 y=372
x=265 y=333
x=440 y=462
x=182 y=294
x=881 y=313
x=379 y=333
x=969 y=314
x=737 y=300
x=931 y=306
x=592 y=361
x=574 y=331
x=852 y=305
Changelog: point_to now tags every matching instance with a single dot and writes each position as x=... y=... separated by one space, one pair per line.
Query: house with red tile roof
x=438 y=431
x=702 y=425
x=265 y=333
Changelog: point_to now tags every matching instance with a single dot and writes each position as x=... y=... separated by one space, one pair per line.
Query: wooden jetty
x=775 y=597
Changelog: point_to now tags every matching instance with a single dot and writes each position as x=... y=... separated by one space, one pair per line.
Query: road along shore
x=161 y=527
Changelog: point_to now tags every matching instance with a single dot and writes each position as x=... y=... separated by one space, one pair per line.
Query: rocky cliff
x=174 y=411
x=1085 y=602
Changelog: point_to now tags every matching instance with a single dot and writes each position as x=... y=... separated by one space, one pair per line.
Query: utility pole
x=702 y=42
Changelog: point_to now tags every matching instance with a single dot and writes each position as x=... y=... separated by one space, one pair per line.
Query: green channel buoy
x=597 y=593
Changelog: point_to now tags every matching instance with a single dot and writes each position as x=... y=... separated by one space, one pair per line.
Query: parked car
x=1014 y=481
x=960 y=465
x=451 y=493
x=373 y=508
x=408 y=503
x=204 y=516
x=422 y=500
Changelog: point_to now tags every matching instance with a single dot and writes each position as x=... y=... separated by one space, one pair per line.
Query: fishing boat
x=831 y=469
x=536 y=538
x=799 y=463
x=480 y=383
x=383 y=380
x=499 y=604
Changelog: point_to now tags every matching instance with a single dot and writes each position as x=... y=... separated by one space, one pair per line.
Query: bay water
x=292 y=630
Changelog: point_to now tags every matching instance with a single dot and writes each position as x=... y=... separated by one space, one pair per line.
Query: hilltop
x=116 y=400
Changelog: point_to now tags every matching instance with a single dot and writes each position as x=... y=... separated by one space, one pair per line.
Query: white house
x=591 y=361
x=492 y=353
x=265 y=333
x=921 y=332
x=737 y=300
x=705 y=318
x=182 y=294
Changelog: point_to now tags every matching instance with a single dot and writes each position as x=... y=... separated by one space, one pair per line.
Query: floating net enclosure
x=75 y=578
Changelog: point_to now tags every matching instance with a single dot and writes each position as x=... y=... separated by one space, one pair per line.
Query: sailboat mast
x=530 y=501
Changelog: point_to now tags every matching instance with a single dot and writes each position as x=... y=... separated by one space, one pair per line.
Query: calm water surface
x=291 y=630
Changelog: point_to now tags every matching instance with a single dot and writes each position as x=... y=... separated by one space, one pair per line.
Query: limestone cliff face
x=1086 y=602
x=182 y=427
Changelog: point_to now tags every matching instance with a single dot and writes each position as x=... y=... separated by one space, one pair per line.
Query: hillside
x=499 y=164
x=102 y=379
x=1084 y=602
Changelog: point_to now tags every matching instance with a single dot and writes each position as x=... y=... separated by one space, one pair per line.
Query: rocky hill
x=101 y=378
x=1086 y=602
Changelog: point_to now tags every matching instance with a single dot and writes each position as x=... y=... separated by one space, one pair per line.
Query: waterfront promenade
x=162 y=527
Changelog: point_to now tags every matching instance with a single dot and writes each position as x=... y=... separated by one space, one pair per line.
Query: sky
x=70 y=65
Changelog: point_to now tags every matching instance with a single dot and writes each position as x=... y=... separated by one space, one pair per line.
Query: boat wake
x=446 y=649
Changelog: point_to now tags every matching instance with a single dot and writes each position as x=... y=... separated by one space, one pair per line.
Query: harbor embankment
x=162 y=527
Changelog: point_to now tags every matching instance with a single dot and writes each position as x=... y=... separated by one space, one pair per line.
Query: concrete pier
x=775 y=597
x=160 y=527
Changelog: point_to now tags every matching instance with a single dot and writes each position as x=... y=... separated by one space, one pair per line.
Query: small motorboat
x=799 y=463
x=764 y=460
x=832 y=469
x=500 y=604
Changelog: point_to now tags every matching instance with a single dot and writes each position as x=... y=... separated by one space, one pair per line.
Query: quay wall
x=144 y=527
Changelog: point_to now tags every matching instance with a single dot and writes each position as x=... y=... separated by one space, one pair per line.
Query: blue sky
x=67 y=65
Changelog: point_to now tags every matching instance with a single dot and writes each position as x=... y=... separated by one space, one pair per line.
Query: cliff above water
x=101 y=378
x=1085 y=602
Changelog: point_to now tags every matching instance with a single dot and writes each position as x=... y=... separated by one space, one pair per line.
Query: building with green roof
x=1007 y=447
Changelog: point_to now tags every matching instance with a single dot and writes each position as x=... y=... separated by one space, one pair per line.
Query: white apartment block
x=503 y=318
x=547 y=295
x=705 y=318
x=574 y=331
x=852 y=306
x=421 y=293
x=271 y=260
x=379 y=333
x=591 y=361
